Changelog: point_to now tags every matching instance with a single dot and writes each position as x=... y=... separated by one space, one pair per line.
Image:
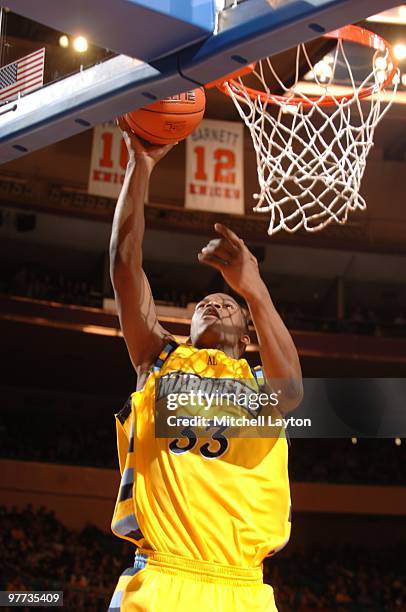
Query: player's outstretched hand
x=138 y=149
x=234 y=260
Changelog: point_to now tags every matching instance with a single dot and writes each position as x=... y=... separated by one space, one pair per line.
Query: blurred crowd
x=88 y=441
x=39 y=553
x=36 y=282
x=79 y=436
x=40 y=283
x=339 y=579
x=356 y=461
x=360 y=321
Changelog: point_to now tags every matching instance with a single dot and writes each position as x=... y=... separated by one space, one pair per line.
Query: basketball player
x=203 y=513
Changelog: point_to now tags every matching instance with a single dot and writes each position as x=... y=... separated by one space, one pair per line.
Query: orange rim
x=350 y=33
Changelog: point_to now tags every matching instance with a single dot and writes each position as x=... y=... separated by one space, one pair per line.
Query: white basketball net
x=311 y=158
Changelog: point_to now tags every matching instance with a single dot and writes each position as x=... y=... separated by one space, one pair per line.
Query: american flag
x=22 y=76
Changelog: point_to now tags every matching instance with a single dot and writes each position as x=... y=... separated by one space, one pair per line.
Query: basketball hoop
x=311 y=149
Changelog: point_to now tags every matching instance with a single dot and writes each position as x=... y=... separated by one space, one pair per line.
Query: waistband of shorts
x=203 y=571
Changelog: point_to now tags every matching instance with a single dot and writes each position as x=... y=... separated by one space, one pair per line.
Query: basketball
x=169 y=120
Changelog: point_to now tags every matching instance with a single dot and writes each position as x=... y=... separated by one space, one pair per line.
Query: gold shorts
x=161 y=582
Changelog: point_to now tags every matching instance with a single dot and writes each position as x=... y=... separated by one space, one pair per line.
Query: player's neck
x=231 y=351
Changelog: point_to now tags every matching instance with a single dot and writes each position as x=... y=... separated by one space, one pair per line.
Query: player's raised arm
x=239 y=268
x=143 y=334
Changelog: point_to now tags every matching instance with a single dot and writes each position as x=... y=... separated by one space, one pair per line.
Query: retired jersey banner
x=215 y=168
x=108 y=161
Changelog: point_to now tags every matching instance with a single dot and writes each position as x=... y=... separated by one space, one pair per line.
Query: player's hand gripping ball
x=142 y=151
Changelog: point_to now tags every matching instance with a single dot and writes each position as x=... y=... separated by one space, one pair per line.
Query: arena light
x=64 y=41
x=395 y=15
x=80 y=44
x=399 y=51
x=289 y=109
x=381 y=62
x=323 y=71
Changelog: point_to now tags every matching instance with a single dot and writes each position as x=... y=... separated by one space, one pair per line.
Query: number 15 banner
x=214 y=167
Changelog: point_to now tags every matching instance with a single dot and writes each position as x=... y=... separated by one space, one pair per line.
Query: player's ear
x=244 y=342
x=245 y=338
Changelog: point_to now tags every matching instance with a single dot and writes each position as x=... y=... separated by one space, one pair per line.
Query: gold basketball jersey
x=221 y=500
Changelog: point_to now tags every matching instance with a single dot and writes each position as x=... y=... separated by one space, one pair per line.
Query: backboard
x=143 y=51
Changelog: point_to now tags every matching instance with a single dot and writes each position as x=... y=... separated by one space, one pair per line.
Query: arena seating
x=38 y=552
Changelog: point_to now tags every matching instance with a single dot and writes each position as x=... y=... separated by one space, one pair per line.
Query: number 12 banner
x=215 y=168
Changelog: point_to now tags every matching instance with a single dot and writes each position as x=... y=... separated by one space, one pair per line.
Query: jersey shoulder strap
x=163 y=355
x=169 y=347
x=259 y=375
x=125 y=411
x=260 y=378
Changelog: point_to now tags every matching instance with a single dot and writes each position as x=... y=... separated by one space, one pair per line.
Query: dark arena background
x=65 y=370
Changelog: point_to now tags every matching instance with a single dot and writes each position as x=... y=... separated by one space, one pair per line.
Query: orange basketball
x=170 y=119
